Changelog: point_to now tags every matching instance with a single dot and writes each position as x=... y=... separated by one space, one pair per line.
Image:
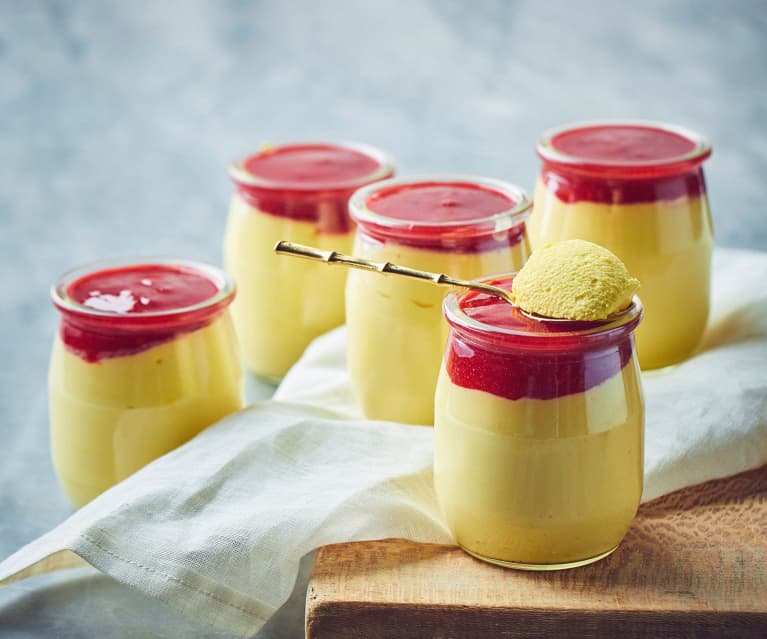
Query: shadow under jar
x=296 y=192
x=538 y=451
x=636 y=188
x=144 y=359
x=460 y=225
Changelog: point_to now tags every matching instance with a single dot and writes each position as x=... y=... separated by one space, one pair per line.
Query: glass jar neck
x=312 y=168
x=309 y=182
x=456 y=213
x=571 y=186
x=624 y=149
x=477 y=241
x=492 y=323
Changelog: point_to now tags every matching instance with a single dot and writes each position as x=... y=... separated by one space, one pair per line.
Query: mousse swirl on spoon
x=573 y=280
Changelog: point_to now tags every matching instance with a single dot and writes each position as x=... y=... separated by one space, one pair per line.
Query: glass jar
x=636 y=188
x=538 y=450
x=460 y=225
x=144 y=359
x=296 y=192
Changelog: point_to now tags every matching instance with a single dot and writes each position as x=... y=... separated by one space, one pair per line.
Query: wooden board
x=694 y=564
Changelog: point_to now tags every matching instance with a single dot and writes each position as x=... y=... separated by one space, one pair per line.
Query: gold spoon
x=334 y=257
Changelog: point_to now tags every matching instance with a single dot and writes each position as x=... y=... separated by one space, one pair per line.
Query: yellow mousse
x=281 y=305
x=396 y=332
x=666 y=244
x=575 y=280
x=111 y=417
x=541 y=482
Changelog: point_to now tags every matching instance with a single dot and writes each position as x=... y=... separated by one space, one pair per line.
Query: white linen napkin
x=217 y=527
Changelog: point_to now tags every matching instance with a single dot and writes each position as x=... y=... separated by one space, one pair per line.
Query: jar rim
x=149 y=320
x=627 y=169
x=574 y=334
x=401 y=227
x=243 y=178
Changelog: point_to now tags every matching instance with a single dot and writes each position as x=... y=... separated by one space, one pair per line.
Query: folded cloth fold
x=217 y=527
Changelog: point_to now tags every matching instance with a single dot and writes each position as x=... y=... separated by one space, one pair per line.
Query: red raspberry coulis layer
x=426 y=202
x=622 y=164
x=125 y=310
x=571 y=187
x=308 y=182
x=441 y=216
x=531 y=358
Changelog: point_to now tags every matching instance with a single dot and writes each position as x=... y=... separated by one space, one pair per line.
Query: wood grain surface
x=694 y=564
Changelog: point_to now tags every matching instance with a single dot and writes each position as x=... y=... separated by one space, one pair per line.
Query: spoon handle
x=334 y=257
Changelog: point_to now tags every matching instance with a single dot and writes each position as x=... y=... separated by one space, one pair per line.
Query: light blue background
x=118 y=120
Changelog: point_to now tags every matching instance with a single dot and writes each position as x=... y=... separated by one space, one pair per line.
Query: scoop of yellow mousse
x=575 y=280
